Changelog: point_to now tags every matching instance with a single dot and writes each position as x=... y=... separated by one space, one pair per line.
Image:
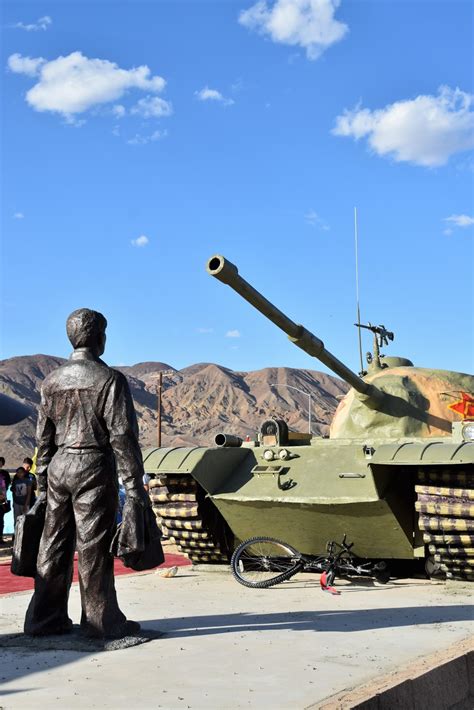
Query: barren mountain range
x=197 y=402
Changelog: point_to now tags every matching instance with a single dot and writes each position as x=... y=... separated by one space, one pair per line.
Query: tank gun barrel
x=223 y=270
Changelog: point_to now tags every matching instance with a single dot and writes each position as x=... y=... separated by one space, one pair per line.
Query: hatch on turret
x=275 y=432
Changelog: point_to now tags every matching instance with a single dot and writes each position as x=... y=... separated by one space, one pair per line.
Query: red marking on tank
x=464 y=406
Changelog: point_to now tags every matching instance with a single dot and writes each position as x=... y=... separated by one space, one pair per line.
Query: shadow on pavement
x=21 y=662
x=320 y=621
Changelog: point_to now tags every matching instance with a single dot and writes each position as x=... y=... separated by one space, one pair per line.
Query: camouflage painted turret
x=396 y=473
x=395 y=399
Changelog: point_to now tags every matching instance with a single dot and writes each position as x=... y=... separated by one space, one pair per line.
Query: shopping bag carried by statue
x=28 y=531
x=137 y=541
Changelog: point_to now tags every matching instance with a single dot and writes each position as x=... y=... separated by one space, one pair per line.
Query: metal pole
x=356 y=239
x=309 y=413
x=160 y=387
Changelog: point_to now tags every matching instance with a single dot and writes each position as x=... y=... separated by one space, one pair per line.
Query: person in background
x=21 y=492
x=5 y=482
x=146 y=482
x=27 y=465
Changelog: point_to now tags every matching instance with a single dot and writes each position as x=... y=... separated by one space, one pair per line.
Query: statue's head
x=86 y=329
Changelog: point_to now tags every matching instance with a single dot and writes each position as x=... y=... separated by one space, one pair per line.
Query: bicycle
x=263 y=562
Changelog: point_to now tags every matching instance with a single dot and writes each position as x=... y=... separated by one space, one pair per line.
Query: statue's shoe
x=129 y=628
x=126 y=628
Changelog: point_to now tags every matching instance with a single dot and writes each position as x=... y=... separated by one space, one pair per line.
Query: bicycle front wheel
x=263 y=562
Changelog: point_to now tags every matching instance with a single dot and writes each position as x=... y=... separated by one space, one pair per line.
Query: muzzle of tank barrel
x=226 y=440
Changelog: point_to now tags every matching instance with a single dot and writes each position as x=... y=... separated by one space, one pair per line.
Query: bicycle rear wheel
x=262 y=562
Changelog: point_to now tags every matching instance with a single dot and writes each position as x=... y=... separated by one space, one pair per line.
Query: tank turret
x=394 y=399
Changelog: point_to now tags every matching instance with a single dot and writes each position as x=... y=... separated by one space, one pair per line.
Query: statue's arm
x=121 y=421
x=45 y=441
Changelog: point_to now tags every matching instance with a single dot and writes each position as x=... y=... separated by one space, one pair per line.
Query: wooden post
x=160 y=387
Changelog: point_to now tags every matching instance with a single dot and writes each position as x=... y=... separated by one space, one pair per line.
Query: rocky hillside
x=198 y=401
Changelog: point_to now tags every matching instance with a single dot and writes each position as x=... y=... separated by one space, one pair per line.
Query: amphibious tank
x=396 y=473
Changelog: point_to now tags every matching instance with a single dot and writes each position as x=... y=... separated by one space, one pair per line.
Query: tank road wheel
x=189 y=519
x=445 y=503
x=262 y=562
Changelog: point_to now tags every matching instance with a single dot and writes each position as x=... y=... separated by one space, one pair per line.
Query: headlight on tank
x=268 y=455
x=468 y=431
x=284 y=454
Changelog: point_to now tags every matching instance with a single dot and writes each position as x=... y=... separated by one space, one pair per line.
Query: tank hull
x=373 y=526
x=362 y=488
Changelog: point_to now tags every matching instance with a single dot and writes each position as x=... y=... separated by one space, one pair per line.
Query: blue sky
x=251 y=130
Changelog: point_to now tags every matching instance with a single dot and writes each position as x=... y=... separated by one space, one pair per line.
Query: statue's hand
x=140 y=496
x=39 y=502
x=42 y=484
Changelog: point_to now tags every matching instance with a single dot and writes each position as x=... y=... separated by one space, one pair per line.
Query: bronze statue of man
x=87 y=436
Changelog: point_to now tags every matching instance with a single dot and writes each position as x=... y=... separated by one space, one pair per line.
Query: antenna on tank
x=356 y=241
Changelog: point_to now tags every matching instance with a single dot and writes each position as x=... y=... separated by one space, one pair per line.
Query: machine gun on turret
x=381 y=338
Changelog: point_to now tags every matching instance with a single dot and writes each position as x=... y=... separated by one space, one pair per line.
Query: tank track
x=189 y=519
x=445 y=504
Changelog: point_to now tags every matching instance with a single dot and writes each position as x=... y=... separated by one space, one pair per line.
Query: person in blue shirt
x=21 y=493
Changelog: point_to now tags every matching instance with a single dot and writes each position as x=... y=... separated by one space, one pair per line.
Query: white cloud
x=233 y=334
x=139 y=139
x=152 y=107
x=118 y=111
x=208 y=94
x=75 y=84
x=42 y=23
x=309 y=24
x=18 y=215
x=460 y=220
x=205 y=330
x=315 y=220
x=426 y=130
x=141 y=241
x=25 y=65
x=73 y=121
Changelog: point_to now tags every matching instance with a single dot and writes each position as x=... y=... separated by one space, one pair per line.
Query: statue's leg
x=47 y=612
x=95 y=509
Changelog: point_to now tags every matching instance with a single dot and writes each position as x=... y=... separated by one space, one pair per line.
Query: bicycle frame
x=340 y=561
x=262 y=562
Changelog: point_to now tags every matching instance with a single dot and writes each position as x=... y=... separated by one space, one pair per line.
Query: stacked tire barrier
x=445 y=503
x=188 y=519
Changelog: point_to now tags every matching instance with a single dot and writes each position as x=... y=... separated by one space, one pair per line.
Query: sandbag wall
x=188 y=518
x=445 y=503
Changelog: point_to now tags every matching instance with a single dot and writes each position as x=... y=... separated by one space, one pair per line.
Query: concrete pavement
x=226 y=646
